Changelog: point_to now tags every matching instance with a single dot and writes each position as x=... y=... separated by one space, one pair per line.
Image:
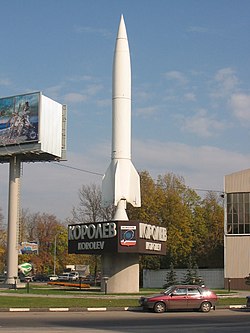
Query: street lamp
x=55 y=256
x=55 y=244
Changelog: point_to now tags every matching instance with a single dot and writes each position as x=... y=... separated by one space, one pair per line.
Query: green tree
x=213 y=214
x=192 y=276
x=171 y=277
x=176 y=216
x=152 y=200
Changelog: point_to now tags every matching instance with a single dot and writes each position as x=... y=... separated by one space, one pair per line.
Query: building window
x=238 y=213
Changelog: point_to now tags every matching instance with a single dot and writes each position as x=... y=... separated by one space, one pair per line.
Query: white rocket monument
x=121 y=182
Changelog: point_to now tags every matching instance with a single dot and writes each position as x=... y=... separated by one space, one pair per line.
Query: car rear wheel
x=205 y=307
x=159 y=307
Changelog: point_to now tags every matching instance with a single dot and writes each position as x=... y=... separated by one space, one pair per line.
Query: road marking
x=96 y=309
x=19 y=309
x=237 y=306
x=59 y=309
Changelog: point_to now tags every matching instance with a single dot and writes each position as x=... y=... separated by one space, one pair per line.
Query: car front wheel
x=205 y=307
x=159 y=307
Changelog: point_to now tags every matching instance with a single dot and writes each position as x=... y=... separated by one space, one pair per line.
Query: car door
x=194 y=298
x=178 y=299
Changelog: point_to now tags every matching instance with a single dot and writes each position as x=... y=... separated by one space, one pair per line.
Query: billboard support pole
x=13 y=220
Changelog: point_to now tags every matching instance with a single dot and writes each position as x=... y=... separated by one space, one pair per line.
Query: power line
x=100 y=174
x=78 y=169
x=203 y=190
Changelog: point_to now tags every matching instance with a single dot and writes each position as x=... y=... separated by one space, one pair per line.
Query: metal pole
x=55 y=256
x=13 y=220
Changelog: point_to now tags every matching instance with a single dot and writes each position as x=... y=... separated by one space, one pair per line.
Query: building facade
x=237 y=230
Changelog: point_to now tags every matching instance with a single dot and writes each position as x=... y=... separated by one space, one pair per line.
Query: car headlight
x=143 y=300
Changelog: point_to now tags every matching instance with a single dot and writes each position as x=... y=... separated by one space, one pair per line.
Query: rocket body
x=121 y=180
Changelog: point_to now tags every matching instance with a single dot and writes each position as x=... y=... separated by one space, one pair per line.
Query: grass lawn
x=43 y=302
x=75 y=298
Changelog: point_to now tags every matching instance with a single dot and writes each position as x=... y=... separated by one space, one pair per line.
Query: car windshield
x=168 y=290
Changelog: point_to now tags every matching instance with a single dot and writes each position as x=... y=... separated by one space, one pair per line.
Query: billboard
x=32 y=127
x=19 y=119
x=28 y=248
x=117 y=237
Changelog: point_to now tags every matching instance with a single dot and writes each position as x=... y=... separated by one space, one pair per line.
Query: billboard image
x=19 y=119
x=28 y=248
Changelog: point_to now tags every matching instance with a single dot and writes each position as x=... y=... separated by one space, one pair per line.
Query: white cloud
x=74 y=98
x=201 y=124
x=78 y=78
x=90 y=30
x=240 y=104
x=226 y=82
x=53 y=188
x=201 y=166
x=54 y=91
x=190 y=97
x=177 y=76
x=5 y=82
x=92 y=89
x=143 y=95
x=104 y=102
x=146 y=111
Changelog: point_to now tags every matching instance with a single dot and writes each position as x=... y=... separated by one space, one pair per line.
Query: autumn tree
x=48 y=232
x=90 y=210
x=176 y=217
x=213 y=214
x=151 y=198
x=3 y=243
x=151 y=201
x=190 y=221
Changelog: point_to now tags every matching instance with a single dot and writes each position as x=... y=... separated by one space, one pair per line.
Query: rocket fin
x=108 y=187
x=127 y=183
x=121 y=181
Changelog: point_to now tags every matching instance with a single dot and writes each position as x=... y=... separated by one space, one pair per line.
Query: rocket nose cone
x=122 y=33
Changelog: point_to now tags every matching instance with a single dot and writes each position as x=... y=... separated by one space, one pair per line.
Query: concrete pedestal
x=120 y=273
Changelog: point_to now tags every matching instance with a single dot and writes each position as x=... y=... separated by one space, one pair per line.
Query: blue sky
x=190 y=88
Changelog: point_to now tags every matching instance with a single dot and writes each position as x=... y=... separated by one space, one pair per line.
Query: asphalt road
x=233 y=321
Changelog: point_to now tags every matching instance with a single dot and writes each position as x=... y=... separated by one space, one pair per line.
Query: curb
x=137 y=309
x=134 y=309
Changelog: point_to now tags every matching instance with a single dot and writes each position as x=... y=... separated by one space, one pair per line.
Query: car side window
x=193 y=291
x=180 y=292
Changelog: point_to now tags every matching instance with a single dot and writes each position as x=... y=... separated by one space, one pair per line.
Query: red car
x=181 y=297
